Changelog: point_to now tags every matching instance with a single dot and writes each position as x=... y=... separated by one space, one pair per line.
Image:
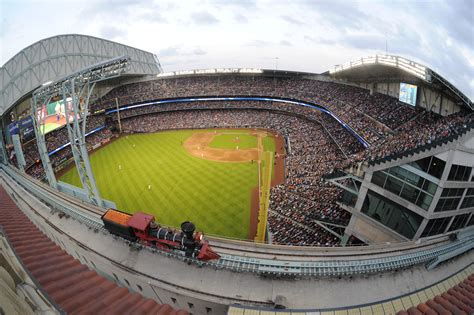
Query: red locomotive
x=141 y=227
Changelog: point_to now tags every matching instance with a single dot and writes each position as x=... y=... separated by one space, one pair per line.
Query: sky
x=300 y=35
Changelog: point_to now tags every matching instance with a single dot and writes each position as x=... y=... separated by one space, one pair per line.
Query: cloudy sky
x=306 y=35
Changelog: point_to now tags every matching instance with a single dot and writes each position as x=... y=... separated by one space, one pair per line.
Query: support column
x=3 y=150
x=77 y=98
x=38 y=104
x=344 y=239
x=20 y=158
x=118 y=115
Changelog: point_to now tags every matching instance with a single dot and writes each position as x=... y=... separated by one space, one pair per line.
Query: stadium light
x=409 y=66
x=209 y=71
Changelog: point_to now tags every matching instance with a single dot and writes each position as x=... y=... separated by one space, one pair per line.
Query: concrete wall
x=204 y=290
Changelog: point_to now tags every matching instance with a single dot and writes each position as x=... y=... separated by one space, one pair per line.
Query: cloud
x=338 y=13
x=204 y=18
x=243 y=4
x=292 y=20
x=364 y=41
x=119 y=8
x=437 y=33
x=259 y=43
x=111 y=32
x=310 y=39
x=240 y=18
x=154 y=17
x=169 y=51
x=180 y=51
x=456 y=17
x=199 y=52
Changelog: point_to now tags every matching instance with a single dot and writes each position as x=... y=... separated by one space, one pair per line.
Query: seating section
x=320 y=146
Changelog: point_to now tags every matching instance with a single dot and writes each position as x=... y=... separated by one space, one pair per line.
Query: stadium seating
x=320 y=146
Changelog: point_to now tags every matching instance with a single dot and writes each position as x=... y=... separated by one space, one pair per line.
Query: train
x=142 y=228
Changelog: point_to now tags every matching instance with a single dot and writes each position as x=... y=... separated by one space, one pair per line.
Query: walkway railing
x=280 y=267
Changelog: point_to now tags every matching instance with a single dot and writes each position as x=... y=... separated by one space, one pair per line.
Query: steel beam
x=38 y=102
x=20 y=158
x=75 y=91
x=77 y=109
x=3 y=149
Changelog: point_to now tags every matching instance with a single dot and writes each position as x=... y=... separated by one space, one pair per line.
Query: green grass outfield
x=214 y=195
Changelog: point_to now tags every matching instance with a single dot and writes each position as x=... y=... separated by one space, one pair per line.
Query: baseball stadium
x=232 y=190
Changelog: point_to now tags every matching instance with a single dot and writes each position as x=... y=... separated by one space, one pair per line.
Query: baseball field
x=209 y=177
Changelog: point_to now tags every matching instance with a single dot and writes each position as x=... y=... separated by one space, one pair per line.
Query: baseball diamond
x=205 y=176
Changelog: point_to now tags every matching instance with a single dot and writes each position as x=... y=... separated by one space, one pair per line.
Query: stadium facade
x=430 y=187
x=414 y=208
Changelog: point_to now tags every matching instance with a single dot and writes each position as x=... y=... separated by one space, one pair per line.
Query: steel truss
x=3 y=149
x=75 y=90
x=38 y=102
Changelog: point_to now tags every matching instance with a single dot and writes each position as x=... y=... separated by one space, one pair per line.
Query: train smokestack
x=188 y=229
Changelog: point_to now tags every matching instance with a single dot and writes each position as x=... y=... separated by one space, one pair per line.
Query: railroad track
x=271 y=260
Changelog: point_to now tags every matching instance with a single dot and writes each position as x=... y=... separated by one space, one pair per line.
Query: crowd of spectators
x=304 y=197
x=319 y=144
x=371 y=116
x=427 y=128
x=54 y=140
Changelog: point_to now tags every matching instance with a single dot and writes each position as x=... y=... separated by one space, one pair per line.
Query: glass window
x=471 y=221
x=407 y=185
x=459 y=222
x=447 y=204
x=423 y=164
x=410 y=193
x=452 y=192
x=390 y=214
x=393 y=185
x=435 y=226
x=449 y=200
x=399 y=172
x=349 y=198
x=414 y=179
x=431 y=165
x=459 y=173
x=378 y=178
x=424 y=200
x=429 y=187
x=436 y=167
x=468 y=200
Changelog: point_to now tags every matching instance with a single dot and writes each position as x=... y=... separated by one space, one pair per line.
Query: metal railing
x=316 y=267
x=56 y=201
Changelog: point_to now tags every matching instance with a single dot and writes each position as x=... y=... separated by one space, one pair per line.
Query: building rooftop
x=70 y=285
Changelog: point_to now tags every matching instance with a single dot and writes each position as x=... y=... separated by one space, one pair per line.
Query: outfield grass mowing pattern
x=228 y=141
x=214 y=195
x=269 y=144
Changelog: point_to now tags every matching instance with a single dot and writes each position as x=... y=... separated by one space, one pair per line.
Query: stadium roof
x=55 y=57
x=395 y=67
